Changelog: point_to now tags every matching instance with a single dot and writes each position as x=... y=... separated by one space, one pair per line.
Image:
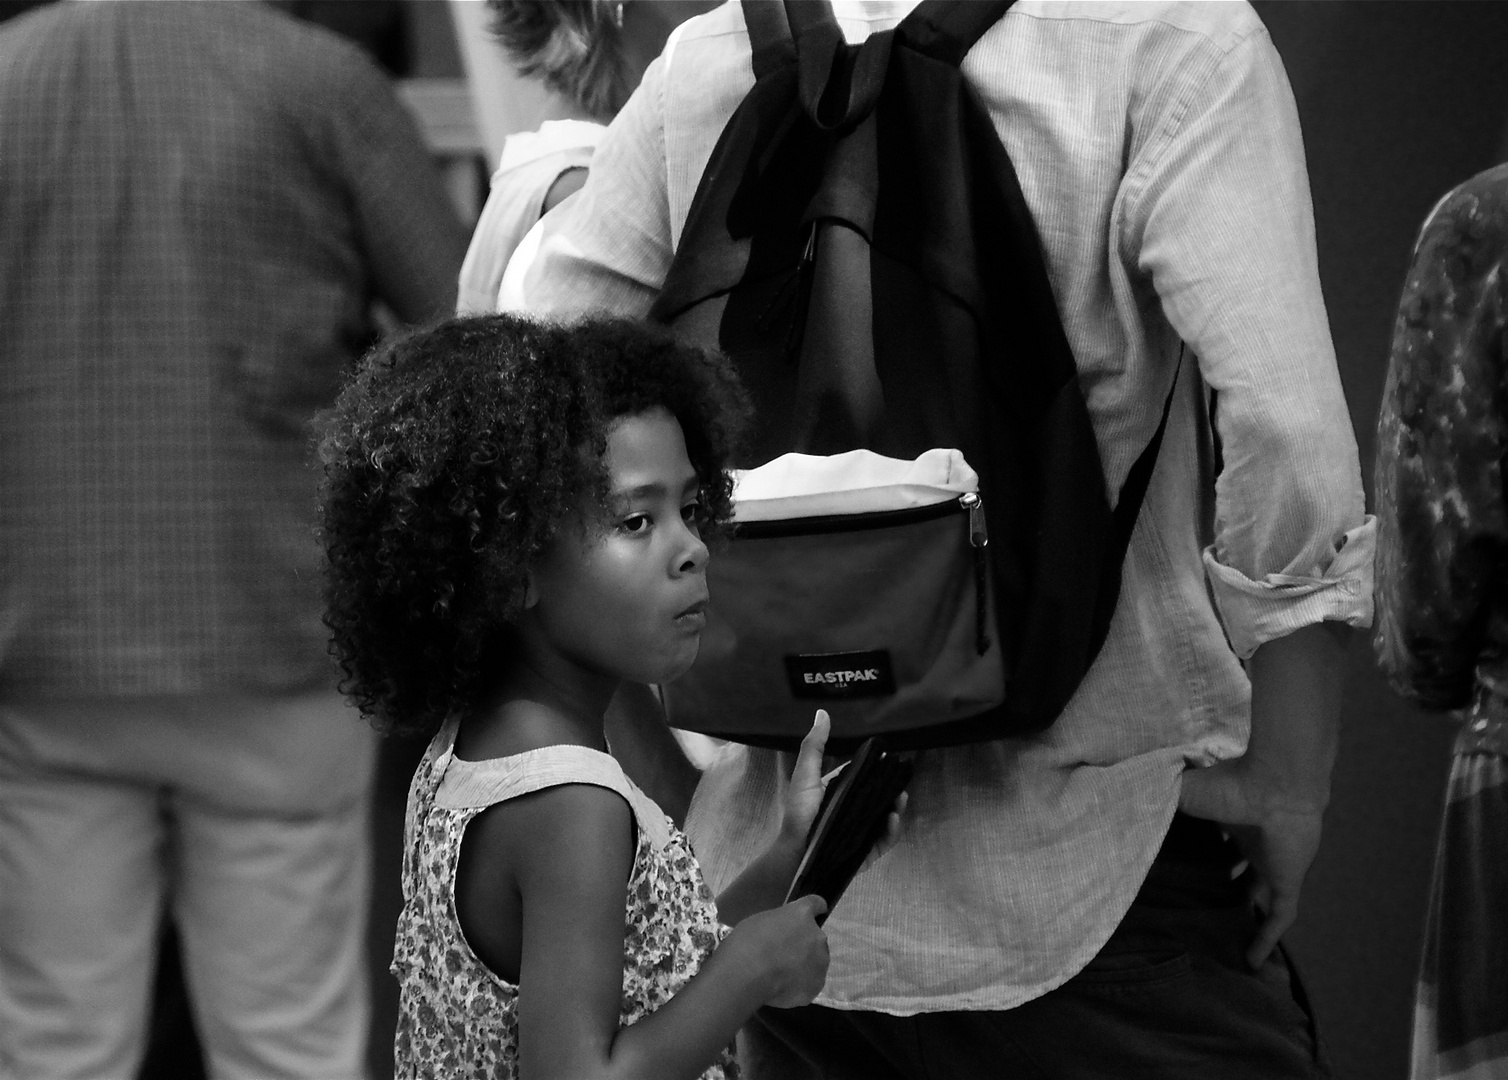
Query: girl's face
x=628 y=599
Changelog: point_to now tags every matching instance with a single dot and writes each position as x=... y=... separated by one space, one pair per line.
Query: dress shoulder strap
x=476 y=785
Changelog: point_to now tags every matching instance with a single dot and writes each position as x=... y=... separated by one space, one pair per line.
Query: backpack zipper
x=795 y=292
x=804 y=273
x=833 y=523
x=979 y=539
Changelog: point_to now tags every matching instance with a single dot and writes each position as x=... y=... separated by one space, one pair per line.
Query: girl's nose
x=694 y=554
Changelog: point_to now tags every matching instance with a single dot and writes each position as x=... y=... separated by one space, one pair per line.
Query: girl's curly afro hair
x=452 y=458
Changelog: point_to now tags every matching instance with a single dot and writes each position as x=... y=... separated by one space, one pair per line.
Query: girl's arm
x=571 y=849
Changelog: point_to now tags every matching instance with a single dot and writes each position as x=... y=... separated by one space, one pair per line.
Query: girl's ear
x=531 y=592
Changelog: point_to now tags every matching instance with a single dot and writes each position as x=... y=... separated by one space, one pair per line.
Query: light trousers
x=245 y=820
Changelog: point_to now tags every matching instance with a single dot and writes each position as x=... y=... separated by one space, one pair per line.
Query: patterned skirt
x=1461 y=1010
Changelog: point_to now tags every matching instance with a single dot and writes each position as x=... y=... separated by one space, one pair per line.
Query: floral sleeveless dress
x=456 y=1018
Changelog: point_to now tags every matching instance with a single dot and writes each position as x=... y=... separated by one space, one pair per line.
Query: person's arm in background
x=1219 y=219
x=1441 y=437
x=609 y=248
x=411 y=235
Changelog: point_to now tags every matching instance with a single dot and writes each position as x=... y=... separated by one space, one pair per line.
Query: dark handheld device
x=851 y=819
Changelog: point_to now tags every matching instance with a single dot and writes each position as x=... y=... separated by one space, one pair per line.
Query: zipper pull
x=979 y=539
x=791 y=291
x=804 y=273
x=979 y=532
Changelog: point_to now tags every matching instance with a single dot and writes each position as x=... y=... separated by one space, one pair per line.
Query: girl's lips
x=694 y=617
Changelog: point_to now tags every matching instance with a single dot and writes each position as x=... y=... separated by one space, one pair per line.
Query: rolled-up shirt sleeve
x=1219 y=219
x=1441 y=437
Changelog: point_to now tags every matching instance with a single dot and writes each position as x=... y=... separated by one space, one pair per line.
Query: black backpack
x=860 y=247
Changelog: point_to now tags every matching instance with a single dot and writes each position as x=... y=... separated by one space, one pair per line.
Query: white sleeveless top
x=531 y=163
x=456 y=1017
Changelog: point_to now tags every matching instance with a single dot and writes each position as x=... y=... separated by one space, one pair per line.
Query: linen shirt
x=1159 y=150
x=199 y=204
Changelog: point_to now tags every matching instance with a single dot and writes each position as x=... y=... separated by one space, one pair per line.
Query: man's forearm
x=1273 y=797
x=1296 y=684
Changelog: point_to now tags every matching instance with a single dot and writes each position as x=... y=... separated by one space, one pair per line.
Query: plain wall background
x=1399 y=102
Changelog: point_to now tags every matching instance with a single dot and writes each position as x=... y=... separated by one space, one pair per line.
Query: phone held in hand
x=851 y=821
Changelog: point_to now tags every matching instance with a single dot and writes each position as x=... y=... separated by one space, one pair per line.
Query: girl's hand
x=804 y=796
x=788 y=950
x=767 y=878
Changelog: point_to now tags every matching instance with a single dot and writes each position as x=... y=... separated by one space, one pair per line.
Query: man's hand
x=1278 y=838
x=1273 y=799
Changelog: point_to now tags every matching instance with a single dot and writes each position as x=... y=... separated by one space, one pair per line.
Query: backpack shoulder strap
x=775 y=26
x=769 y=35
x=809 y=15
x=947 y=29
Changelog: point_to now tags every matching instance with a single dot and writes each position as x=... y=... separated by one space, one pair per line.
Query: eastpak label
x=829 y=676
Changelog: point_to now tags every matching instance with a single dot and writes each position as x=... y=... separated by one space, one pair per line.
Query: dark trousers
x=1170 y=996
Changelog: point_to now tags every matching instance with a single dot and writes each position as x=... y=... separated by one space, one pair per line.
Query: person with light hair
x=590 y=54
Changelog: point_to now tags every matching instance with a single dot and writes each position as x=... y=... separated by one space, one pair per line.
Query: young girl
x=516 y=517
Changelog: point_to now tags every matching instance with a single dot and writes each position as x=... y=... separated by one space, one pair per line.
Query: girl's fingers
x=815 y=906
x=809 y=759
x=816 y=738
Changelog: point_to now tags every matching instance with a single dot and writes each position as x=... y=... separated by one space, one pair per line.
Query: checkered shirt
x=198 y=204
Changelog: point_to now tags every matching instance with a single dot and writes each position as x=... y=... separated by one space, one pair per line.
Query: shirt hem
x=1001 y=1002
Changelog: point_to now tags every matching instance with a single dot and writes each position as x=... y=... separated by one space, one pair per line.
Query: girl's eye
x=635 y=523
x=691 y=513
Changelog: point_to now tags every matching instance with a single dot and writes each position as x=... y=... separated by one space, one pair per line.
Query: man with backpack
x=1102 y=889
